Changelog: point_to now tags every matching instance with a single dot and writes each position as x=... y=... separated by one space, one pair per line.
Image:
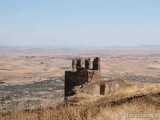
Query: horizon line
x=73 y=47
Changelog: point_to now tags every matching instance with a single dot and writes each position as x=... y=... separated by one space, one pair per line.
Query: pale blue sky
x=79 y=22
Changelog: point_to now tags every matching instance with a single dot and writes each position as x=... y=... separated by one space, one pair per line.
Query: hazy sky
x=79 y=22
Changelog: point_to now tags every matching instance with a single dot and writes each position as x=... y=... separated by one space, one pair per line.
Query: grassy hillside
x=132 y=99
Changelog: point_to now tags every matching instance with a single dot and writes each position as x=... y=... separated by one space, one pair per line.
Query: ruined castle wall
x=69 y=82
x=73 y=79
x=79 y=74
x=92 y=75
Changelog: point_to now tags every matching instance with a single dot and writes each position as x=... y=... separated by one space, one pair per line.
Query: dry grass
x=132 y=99
x=84 y=113
x=60 y=113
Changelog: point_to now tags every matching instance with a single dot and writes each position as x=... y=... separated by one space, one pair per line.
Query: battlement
x=81 y=73
x=78 y=63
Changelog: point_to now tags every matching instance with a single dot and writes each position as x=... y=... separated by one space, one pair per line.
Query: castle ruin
x=81 y=73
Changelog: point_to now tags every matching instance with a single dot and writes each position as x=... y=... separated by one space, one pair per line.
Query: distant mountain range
x=74 y=47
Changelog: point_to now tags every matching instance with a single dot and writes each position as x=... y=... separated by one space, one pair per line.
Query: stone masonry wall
x=80 y=75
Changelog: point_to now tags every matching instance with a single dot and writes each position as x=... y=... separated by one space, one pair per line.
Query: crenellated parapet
x=81 y=74
x=78 y=63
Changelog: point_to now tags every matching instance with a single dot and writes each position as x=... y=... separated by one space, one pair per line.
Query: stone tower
x=80 y=75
